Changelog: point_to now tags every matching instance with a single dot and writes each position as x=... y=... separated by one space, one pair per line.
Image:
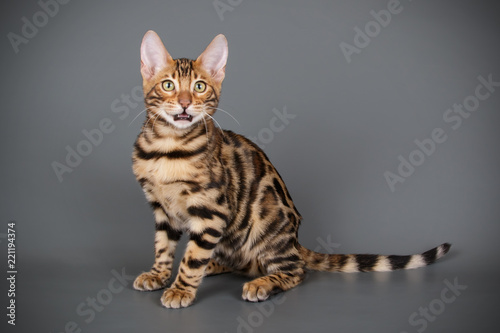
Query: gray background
x=352 y=122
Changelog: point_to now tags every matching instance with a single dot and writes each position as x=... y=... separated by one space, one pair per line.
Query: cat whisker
x=150 y=118
x=154 y=122
x=220 y=128
x=230 y=115
x=206 y=128
x=145 y=126
x=146 y=109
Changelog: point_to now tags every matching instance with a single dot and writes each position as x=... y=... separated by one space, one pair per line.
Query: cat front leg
x=207 y=226
x=166 y=239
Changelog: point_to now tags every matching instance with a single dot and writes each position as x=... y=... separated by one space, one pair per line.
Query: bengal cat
x=221 y=189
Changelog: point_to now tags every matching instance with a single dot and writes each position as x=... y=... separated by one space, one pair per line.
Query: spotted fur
x=222 y=190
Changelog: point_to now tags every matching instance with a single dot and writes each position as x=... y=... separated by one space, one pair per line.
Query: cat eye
x=200 y=86
x=168 y=85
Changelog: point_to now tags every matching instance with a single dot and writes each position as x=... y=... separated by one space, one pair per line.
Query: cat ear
x=214 y=58
x=154 y=56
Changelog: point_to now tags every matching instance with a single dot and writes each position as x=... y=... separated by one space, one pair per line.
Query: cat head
x=182 y=91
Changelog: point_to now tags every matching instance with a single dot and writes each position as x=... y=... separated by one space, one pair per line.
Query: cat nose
x=184 y=100
x=185 y=103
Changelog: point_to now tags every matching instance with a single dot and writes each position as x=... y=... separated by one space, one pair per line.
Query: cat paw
x=175 y=298
x=256 y=291
x=151 y=281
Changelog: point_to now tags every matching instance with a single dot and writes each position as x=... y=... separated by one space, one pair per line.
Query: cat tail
x=369 y=262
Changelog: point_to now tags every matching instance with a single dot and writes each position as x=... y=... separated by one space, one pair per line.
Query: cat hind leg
x=283 y=273
x=214 y=268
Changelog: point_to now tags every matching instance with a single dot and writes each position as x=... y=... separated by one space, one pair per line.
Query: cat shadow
x=230 y=285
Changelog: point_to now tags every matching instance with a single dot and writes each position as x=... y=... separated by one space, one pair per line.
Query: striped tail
x=369 y=262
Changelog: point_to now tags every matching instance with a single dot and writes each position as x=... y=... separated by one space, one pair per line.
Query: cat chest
x=164 y=170
x=167 y=182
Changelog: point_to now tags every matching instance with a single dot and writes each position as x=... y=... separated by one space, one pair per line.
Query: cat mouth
x=183 y=116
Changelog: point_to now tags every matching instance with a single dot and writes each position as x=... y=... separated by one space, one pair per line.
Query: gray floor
x=403 y=301
x=82 y=235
